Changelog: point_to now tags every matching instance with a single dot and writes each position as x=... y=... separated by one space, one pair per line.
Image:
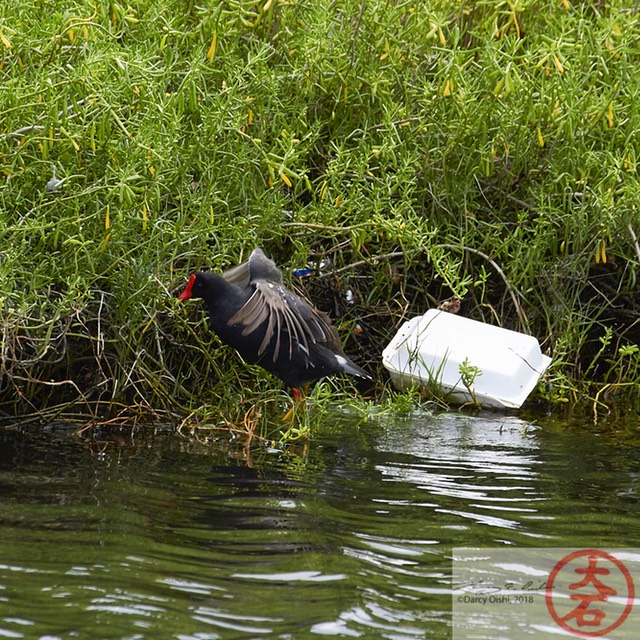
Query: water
x=157 y=536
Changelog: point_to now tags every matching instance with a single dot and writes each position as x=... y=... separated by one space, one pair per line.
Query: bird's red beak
x=186 y=294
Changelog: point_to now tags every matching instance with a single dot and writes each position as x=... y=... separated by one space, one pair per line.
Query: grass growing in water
x=416 y=146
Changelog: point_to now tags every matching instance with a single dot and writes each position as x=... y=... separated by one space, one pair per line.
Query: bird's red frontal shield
x=186 y=294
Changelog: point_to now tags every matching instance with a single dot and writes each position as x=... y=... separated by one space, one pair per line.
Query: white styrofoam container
x=429 y=350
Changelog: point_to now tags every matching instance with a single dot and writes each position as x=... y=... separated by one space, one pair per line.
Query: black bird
x=252 y=311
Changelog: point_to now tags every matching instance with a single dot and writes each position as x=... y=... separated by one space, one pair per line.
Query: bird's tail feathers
x=346 y=366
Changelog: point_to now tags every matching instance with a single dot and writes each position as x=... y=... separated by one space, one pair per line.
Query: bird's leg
x=299 y=400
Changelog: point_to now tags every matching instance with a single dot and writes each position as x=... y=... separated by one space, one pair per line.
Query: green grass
x=423 y=142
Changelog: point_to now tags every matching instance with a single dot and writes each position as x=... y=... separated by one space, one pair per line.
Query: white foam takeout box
x=431 y=350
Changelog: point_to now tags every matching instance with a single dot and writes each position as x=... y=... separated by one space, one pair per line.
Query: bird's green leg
x=299 y=401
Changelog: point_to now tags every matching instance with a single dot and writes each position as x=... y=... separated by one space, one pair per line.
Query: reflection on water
x=161 y=537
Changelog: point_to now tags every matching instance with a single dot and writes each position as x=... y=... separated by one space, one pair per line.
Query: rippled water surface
x=165 y=537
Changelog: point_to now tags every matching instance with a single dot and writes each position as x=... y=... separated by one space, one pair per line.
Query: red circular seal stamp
x=589 y=593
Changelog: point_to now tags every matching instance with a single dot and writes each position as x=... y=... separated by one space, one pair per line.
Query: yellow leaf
x=5 y=41
x=447 y=88
x=103 y=246
x=76 y=146
x=267 y=5
x=152 y=170
x=558 y=64
x=285 y=179
x=212 y=49
x=540 y=138
x=144 y=216
x=107 y=220
x=71 y=35
x=610 y=114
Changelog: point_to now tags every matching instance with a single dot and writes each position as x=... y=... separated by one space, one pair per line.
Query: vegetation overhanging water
x=407 y=152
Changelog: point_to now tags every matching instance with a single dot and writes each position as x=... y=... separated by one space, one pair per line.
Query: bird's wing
x=282 y=309
x=239 y=275
x=257 y=267
x=263 y=268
